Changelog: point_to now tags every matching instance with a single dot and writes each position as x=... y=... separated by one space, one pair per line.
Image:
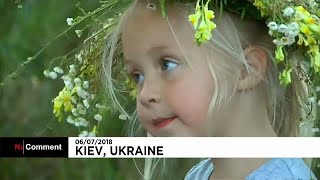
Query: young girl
x=228 y=86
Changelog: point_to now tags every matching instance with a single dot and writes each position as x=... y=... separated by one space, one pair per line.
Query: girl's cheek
x=189 y=101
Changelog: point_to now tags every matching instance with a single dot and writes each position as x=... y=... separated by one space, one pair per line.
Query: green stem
x=15 y=73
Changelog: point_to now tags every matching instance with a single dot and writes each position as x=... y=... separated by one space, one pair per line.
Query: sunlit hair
x=230 y=38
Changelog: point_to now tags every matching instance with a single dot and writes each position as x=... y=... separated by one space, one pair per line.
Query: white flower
x=85 y=84
x=70 y=120
x=78 y=32
x=75 y=112
x=65 y=78
x=73 y=100
x=58 y=70
x=67 y=82
x=290 y=34
x=93 y=96
x=270 y=32
x=70 y=21
x=82 y=93
x=315 y=130
x=99 y=106
x=77 y=81
x=277 y=42
x=83 y=134
x=86 y=103
x=299 y=16
x=315 y=17
x=83 y=122
x=81 y=109
x=72 y=69
x=311 y=99
x=287 y=40
x=77 y=124
x=53 y=75
x=91 y=134
x=294 y=26
x=289 y=11
x=46 y=73
x=313 y=4
x=98 y=117
x=282 y=28
x=122 y=117
x=318 y=89
x=273 y=26
x=79 y=57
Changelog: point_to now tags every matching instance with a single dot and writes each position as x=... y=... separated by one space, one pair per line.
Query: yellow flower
x=209 y=14
x=261 y=6
x=64 y=98
x=303 y=11
x=315 y=28
x=310 y=20
x=305 y=29
x=279 y=54
x=203 y=26
x=301 y=39
x=314 y=49
x=206 y=36
x=203 y=34
x=56 y=107
x=211 y=25
x=194 y=18
x=311 y=40
x=317 y=59
x=285 y=77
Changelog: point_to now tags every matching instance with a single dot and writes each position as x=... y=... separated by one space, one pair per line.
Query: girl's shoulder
x=283 y=168
x=203 y=170
x=278 y=168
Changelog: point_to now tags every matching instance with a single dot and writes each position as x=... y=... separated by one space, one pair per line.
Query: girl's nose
x=150 y=94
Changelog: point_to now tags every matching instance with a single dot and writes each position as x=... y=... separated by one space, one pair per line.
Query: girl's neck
x=235 y=168
x=247 y=117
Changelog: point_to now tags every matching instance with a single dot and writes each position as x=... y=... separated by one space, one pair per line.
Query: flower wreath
x=293 y=24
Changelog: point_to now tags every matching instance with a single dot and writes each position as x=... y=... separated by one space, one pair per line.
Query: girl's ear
x=257 y=61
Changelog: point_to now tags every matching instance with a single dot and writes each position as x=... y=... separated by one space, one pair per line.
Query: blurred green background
x=26 y=103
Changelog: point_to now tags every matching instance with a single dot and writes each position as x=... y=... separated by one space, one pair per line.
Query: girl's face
x=173 y=94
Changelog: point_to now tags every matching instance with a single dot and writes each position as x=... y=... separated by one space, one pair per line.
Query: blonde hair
x=229 y=40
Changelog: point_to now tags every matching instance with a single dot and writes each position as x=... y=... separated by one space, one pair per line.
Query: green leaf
x=243 y=13
x=163 y=8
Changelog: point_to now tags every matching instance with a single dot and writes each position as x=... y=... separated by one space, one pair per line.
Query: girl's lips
x=162 y=122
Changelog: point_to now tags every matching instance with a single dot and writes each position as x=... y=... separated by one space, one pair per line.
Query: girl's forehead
x=145 y=29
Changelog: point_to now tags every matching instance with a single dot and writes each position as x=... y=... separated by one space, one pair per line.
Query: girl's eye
x=168 y=65
x=138 y=78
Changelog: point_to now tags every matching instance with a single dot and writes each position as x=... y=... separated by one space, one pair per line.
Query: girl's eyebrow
x=151 y=51
x=156 y=49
